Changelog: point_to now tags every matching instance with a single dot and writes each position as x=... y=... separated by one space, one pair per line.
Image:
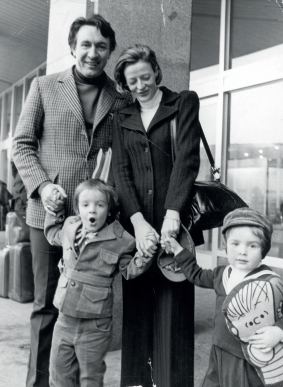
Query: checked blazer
x=50 y=142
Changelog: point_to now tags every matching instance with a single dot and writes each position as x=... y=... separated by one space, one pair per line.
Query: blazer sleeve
x=122 y=169
x=25 y=143
x=187 y=162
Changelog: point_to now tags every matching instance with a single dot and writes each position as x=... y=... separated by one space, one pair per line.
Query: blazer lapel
x=106 y=99
x=68 y=89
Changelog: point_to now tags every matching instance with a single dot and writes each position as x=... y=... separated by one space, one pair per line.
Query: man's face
x=92 y=51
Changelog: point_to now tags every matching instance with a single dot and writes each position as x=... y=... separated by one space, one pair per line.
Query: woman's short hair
x=106 y=189
x=257 y=231
x=132 y=55
x=96 y=21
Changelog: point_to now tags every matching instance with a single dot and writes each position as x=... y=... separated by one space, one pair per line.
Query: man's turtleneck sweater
x=89 y=90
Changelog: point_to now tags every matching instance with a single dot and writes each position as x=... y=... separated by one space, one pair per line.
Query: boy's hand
x=175 y=247
x=140 y=260
x=266 y=338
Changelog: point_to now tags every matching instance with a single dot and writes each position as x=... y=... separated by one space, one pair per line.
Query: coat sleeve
x=122 y=169
x=53 y=228
x=187 y=162
x=203 y=278
x=25 y=143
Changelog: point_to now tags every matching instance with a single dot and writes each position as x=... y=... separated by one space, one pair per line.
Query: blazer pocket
x=106 y=261
x=92 y=299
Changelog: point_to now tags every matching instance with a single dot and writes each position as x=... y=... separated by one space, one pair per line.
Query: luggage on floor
x=4 y=272
x=21 y=285
x=17 y=230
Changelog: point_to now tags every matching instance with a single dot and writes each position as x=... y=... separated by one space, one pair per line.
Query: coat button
x=148 y=169
x=146 y=149
x=149 y=191
x=73 y=283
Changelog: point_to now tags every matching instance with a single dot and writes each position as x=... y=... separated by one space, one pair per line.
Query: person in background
x=66 y=120
x=158 y=315
x=247 y=341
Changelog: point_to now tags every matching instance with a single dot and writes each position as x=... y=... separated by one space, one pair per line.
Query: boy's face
x=93 y=209
x=244 y=249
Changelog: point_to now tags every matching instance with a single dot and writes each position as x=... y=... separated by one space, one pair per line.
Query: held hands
x=266 y=338
x=170 y=228
x=175 y=247
x=146 y=237
x=53 y=197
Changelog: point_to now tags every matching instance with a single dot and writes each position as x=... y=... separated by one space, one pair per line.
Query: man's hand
x=53 y=197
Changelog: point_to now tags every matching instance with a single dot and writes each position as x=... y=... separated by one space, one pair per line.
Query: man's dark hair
x=96 y=21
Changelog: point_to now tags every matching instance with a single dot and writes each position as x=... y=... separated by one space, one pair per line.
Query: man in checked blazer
x=66 y=119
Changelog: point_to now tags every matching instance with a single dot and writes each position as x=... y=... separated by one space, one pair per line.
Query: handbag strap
x=173 y=130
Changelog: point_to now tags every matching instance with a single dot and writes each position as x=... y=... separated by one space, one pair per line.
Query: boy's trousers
x=78 y=349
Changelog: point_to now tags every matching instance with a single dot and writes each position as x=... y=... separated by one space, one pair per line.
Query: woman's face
x=141 y=80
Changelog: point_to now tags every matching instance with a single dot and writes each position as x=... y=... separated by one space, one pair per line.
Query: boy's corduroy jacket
x=85 y=285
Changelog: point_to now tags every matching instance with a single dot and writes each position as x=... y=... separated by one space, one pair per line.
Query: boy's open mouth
x=92 y=220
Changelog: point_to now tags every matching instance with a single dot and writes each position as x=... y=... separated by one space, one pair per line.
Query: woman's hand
x=170 y=228
x=146 y=237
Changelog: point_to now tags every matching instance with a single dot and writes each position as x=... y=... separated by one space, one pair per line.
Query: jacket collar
x=107 y=97
x=109 y=232
x=166 y=109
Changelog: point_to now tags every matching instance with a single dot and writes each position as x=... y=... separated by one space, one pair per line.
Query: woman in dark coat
x=158 y=315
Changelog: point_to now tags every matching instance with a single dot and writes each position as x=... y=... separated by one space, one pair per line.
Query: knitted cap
x=248 y=217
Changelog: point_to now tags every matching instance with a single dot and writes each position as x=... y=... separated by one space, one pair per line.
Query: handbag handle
x=173 y=130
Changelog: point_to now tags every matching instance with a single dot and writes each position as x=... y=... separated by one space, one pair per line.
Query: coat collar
x=166 y=109
x=107 y=97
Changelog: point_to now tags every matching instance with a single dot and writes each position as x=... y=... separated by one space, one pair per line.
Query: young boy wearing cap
x=247 y=348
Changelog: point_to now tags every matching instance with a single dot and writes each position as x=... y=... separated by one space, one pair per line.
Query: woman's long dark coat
x=158 y=315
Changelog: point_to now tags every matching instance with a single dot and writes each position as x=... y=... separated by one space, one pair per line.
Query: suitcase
x=17 y=230
x=4 y=272
x=21 y=285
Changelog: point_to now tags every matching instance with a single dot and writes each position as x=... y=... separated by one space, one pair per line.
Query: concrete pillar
x=164 y=25
x=62 y=14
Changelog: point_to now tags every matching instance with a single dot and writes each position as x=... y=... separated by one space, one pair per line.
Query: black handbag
x=211 y=200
